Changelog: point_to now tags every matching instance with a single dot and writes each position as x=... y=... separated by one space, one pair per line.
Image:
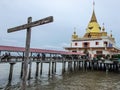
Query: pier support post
x=104 y=66
x=55 y=65
x=100 y=67
x=97 y=65
x=69 y=65
x=10 y=72
x=89 y=65
x=37 y=68
x=117 y=67
x=49 y=72
x=110 y=67
x=107 y=68
x=79 y=64
x=83 y=65
x=41 y=68
x=74 y=65
x=21 y=73
x=63 y=66
x=52 y=67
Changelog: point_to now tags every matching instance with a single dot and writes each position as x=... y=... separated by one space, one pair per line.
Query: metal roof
x=36 y=50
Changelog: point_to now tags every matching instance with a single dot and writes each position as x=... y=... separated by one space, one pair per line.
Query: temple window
x=86 y=44
x=105 y=43
x=76 y=44
x=97 y=43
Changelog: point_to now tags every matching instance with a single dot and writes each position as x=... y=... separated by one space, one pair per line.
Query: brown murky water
x=78 y=80
x=81 y=81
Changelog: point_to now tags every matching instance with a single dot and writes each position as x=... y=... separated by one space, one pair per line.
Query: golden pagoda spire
x=93 y=18
x=93 y=25
x=93 y=29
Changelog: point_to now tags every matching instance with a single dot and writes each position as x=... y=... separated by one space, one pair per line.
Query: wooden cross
x=28 y=38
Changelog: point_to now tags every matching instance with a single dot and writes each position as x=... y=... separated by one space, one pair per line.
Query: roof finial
x=93 y=4
x=111 y=33
x=93 y=18
x=74 y=30
x=103 y=28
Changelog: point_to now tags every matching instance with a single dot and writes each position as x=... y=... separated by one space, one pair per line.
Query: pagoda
x=95 y=41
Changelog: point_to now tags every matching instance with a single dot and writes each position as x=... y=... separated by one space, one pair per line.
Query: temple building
x=95 y=42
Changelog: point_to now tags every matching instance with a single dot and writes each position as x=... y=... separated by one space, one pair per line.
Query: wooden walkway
x=70 y=62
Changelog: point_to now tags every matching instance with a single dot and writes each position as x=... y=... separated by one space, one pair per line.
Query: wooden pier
x=73 y=61
x=73 y=65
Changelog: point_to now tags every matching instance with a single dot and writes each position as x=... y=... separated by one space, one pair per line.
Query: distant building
x=95 y=42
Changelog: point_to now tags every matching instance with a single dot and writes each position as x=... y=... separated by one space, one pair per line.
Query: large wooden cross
x=28 y=38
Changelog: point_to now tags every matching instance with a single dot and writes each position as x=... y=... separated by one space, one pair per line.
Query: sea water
x=76 y=80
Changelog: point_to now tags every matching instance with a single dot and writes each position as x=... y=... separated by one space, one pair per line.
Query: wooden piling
x=74 y=65
x=55 y=65
x=63 y=66
x=70 y=65
x=79 y=65
x=10 y=72
x=41 y=68
x=100 y=67
x=83 y=65
x=97 y=65
x=104 y=66
x=49 y=72
x=52 y=67
x=107 y=68
x=21 y=73
x=110 y=67
x=89 y=65
x=37 y=68
x=86 y=65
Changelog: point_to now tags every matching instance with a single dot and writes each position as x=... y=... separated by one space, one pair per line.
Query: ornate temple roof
x=93 y=30
x=93 y=25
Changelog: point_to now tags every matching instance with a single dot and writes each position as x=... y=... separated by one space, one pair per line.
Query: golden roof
x=93 y=26
x=93 y=30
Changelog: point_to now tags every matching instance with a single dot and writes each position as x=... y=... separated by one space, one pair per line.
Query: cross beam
x=32 y=24
x=28 y=38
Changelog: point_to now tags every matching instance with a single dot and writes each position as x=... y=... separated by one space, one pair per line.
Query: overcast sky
x=67 y=15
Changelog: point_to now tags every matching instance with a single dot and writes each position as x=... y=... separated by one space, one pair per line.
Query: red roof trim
x=35 y=50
